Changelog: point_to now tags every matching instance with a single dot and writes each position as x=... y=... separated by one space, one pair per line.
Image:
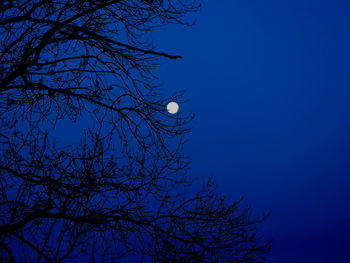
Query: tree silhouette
x=121 y=189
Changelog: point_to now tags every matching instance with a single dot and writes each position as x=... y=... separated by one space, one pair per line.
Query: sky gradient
x=268 y=82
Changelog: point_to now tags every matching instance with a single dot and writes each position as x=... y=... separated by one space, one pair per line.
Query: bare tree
x=120 y=190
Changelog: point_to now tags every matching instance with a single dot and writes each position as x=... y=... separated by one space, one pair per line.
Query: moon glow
x=172 y=107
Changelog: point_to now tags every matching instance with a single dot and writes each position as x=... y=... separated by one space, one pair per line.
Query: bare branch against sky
x=120 y=190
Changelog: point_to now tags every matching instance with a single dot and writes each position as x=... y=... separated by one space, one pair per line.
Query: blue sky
x=268 y=82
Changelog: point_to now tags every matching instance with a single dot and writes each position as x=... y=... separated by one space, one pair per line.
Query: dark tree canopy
x=121 y=189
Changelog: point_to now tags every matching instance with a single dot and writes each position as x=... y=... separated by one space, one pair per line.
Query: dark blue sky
x=268 y=82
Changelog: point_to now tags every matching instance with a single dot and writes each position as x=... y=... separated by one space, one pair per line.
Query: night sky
x=268 y=82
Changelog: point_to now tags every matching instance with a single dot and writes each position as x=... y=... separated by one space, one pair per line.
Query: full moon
x=172 y=107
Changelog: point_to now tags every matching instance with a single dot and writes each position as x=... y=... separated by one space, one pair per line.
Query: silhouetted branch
x=119 y=189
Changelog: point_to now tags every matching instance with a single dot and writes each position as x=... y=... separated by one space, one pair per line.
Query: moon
x=172 y=107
